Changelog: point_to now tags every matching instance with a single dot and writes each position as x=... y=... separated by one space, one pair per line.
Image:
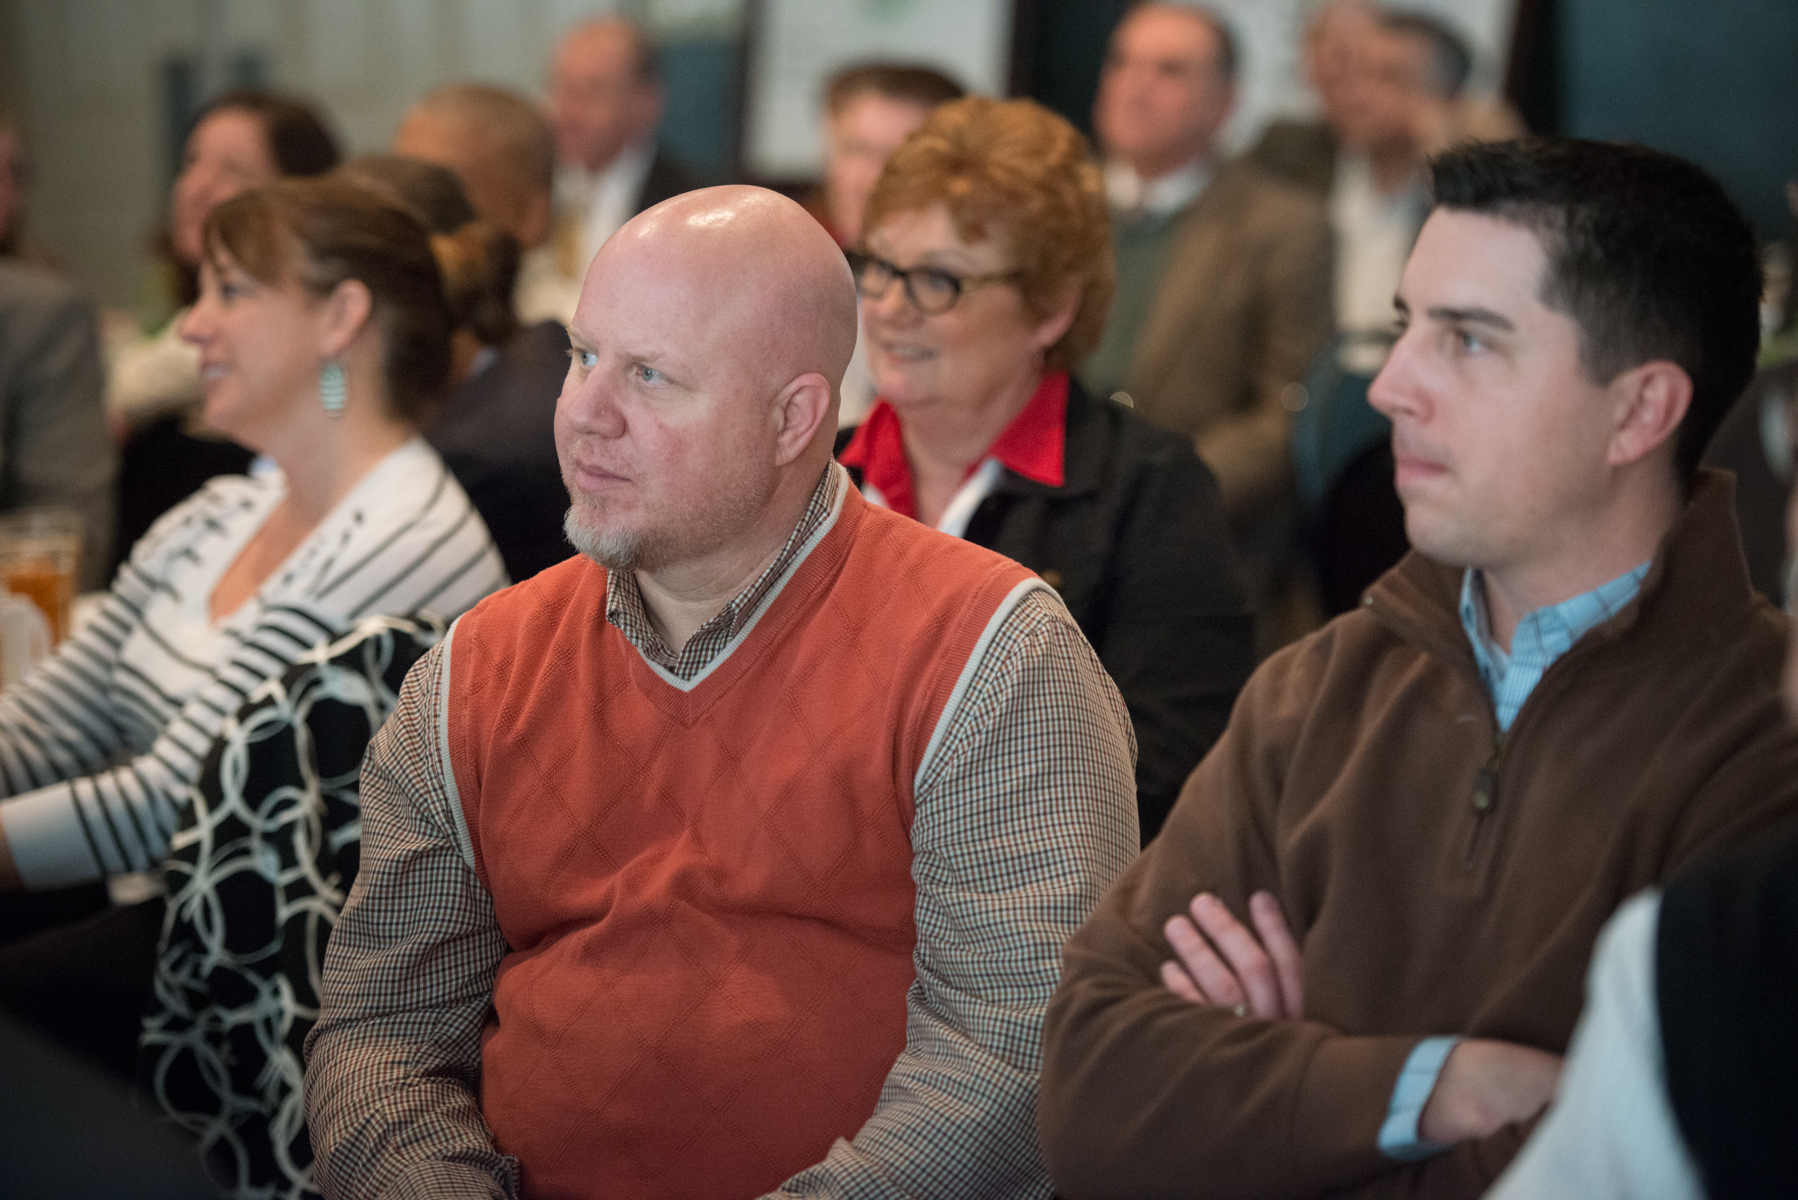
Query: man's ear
x=346 y=312
x=800 y=410
x=1650 y=402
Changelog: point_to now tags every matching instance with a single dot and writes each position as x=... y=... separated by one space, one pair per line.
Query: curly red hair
x=1014 y=171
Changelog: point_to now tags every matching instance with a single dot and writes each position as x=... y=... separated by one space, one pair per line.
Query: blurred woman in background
x=242 y=139
x=985 y=272
x=323 y=331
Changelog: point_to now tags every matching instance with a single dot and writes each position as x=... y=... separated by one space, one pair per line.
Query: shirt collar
x=1548 y=632
x=1126 y=191
x=626 y=612
x=1034 y=445
x=575 y=184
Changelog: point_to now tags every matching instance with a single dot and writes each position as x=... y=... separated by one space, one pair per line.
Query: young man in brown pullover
x=1352 y=959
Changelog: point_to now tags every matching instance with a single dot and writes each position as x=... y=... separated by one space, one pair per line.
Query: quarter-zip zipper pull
x=1485 y=783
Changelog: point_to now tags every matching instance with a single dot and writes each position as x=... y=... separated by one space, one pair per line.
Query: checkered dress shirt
x=1541 y=637
x=1023 y=818
x=624 y=599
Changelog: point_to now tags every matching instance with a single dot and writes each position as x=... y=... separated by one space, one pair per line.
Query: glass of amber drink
x=39 y=548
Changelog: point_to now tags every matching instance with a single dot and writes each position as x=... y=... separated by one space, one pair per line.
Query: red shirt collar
x=1033 y=445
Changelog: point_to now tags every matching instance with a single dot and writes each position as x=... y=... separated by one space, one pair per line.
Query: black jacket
x=496 y=435
x=1136 y=543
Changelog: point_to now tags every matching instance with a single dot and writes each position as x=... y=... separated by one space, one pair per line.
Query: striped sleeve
x=58 y=722
x=407 y=541
x=120 y=819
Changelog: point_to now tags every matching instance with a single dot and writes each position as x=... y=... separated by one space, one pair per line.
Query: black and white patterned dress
x=256 y=875
x=99 y=745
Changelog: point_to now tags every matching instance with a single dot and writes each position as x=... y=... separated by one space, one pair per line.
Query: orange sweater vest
x=707 y=892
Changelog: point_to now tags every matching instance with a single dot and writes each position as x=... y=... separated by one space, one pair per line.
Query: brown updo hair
x=1014 y=171
x=322 y=232
x=479 y=261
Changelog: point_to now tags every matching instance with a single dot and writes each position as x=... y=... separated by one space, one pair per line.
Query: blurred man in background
x=868 y=110
x=1391 y=89
x=1223 y=275
x=605 y=103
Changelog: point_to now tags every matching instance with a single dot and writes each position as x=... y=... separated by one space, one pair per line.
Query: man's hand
x=1486 y=1085
x=1222 y=963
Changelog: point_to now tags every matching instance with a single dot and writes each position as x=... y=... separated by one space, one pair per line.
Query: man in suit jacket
x=1391 y=89
x=605 y=101
x=1223 y=272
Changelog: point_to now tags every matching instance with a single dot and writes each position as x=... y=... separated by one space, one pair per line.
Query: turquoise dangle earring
x=331 y=390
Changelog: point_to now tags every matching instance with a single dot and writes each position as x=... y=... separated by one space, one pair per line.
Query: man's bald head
x=710 y=343
x=764 y=277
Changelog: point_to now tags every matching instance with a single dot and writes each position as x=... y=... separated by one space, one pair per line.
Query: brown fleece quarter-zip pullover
x=1439 y=880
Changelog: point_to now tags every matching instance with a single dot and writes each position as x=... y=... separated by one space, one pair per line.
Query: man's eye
x=586 y=360
x=648 y=374
x=1469 y=343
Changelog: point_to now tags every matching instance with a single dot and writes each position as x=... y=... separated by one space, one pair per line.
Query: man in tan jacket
x=1351 y=961
x=1223 y=272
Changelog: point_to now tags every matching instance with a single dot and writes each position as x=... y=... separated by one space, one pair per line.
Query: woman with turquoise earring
x=324 y=326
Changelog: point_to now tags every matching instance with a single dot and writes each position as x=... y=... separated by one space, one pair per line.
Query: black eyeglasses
x=931 y=290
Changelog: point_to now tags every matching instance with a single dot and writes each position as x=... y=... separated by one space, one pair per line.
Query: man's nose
x=1395 y=389
x=594 y=410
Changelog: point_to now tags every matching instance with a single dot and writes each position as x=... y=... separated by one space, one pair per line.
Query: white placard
x=800 y=44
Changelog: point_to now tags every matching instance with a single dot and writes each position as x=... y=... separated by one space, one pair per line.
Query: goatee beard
x=613 y=549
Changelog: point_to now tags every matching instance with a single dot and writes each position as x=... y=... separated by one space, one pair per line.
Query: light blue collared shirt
x=1542 y=637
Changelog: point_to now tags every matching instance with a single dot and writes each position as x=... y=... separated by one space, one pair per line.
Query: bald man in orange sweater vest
x=735 y=854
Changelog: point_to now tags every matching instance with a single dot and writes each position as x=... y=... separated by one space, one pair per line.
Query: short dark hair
x=298 y=140
x=910 y=83
x=1450 y=59
x=1229 y=54
x=1646 y=252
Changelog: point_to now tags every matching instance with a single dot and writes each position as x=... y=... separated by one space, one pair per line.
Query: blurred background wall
x=103 y=88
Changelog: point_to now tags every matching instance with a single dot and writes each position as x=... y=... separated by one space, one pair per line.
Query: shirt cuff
x=45 y=838
x=1399 y=1138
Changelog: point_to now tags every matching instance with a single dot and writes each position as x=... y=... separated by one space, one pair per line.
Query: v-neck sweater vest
x=706 y=886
